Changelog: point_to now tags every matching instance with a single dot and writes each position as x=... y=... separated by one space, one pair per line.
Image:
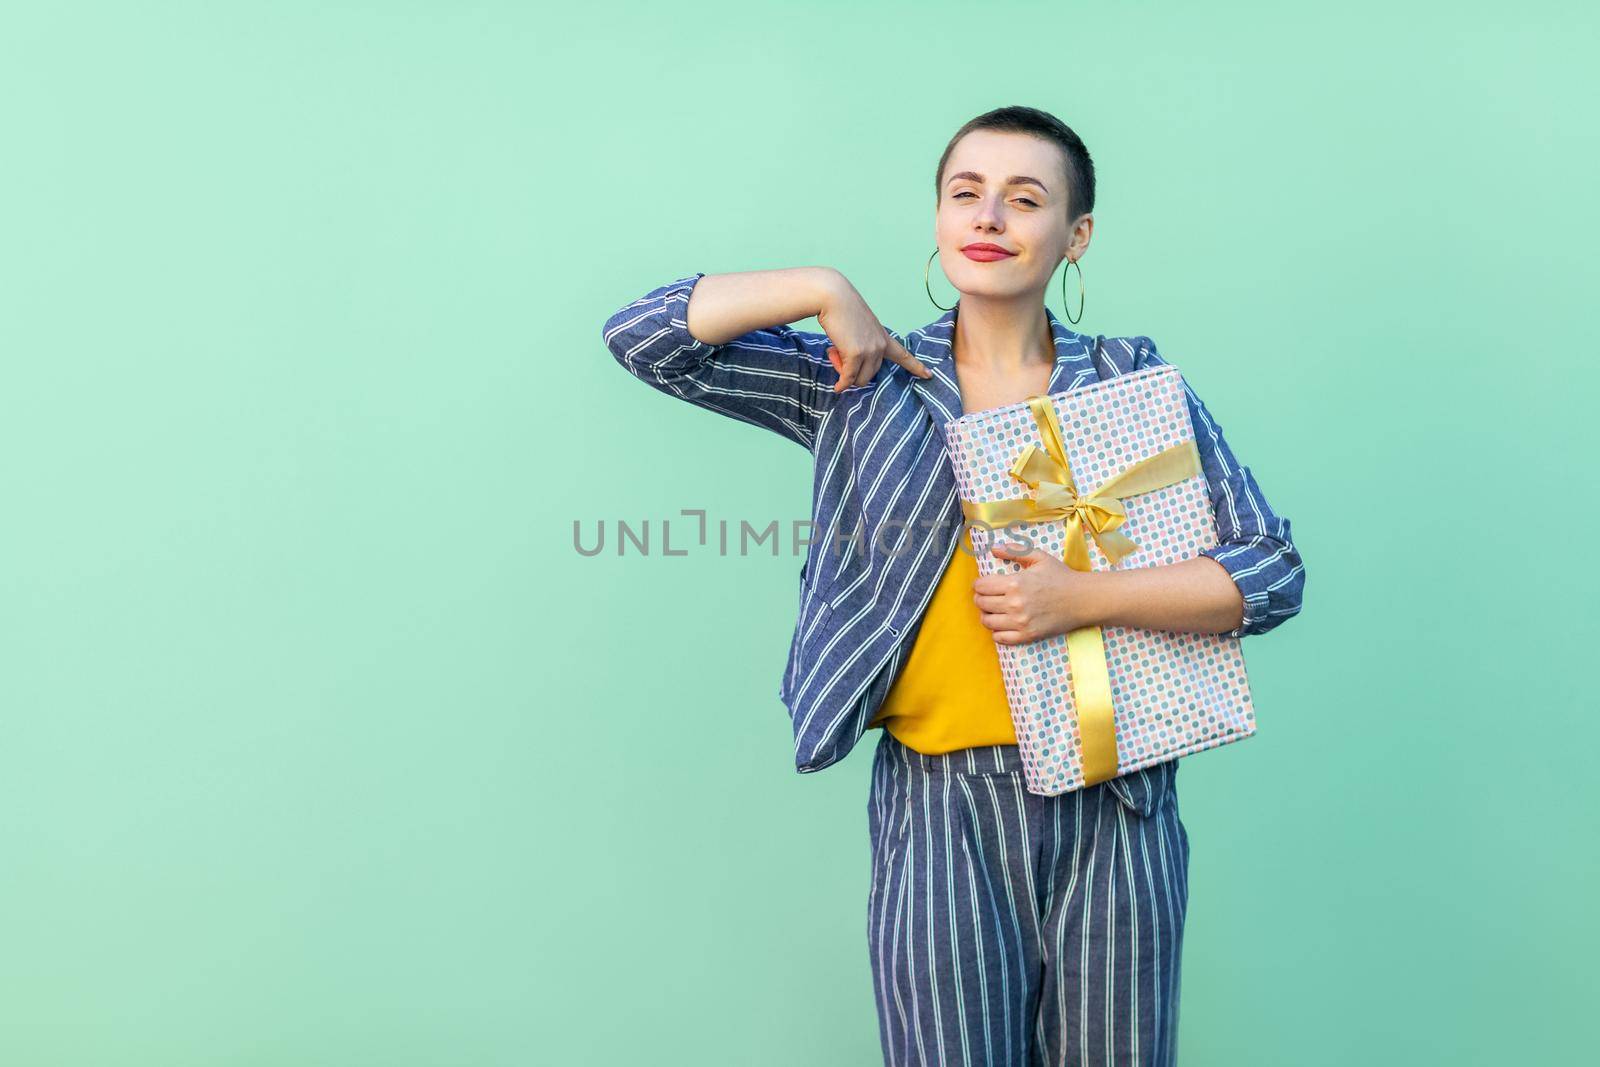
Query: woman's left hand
x=1045 y=598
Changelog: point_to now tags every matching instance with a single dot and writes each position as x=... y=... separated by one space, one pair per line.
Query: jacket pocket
x=813 y=586
x=813 y=575
x=811 y=622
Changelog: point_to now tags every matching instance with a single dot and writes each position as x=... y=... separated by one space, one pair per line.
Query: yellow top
x=949 y=695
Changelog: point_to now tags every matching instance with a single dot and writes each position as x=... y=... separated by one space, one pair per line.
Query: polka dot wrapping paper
x=1173 y=693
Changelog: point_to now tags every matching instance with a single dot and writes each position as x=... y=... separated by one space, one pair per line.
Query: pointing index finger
x=898 y=353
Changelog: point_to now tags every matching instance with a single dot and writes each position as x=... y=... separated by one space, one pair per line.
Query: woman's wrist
x=828 y=286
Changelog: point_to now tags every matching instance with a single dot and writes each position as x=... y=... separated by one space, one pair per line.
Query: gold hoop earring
x=927 y=282
x=1070 y=319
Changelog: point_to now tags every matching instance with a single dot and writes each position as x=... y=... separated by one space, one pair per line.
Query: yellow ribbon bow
x=1095 y=514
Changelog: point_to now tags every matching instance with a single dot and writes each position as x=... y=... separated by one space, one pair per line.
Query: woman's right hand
x=860 y=341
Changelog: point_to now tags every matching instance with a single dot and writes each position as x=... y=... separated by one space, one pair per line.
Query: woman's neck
x=1000 y=337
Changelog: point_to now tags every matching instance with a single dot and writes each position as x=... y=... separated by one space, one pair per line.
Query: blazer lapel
x=941 y=394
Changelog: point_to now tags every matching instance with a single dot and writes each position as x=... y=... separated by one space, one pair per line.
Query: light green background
x=323 y=746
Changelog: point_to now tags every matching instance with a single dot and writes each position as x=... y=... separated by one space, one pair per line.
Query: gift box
x=1105 y=477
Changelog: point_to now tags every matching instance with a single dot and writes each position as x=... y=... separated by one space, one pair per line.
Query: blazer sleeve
x=1254 y=543
x=779 y=377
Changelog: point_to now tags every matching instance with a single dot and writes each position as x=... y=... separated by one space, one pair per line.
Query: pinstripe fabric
x=884 y=506
x=1006 y=928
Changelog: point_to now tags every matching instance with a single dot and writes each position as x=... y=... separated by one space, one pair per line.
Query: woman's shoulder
x=1116 y=356
x=1133 y=352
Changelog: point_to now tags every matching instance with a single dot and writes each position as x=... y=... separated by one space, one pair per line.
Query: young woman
x=1004 y=927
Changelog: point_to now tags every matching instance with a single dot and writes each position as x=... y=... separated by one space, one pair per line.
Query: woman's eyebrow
x=1015 y=179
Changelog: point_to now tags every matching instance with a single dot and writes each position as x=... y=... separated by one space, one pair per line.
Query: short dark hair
x=1020 y=119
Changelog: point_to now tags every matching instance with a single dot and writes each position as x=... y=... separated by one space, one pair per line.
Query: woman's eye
x=967 y=192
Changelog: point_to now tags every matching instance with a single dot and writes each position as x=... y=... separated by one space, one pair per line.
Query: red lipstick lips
x=983 y=252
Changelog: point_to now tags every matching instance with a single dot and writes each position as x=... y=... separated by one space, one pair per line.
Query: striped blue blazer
x=884 y=506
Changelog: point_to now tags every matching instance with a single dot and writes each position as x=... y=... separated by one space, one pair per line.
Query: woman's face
x=1008 y=190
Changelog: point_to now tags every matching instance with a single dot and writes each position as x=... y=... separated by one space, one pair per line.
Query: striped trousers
x=1011 y=930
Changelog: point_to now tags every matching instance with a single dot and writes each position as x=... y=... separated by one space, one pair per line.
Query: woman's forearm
x=725 y=306
x=1197 y=596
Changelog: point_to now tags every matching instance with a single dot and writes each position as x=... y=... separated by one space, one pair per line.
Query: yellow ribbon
x=1095 y=514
